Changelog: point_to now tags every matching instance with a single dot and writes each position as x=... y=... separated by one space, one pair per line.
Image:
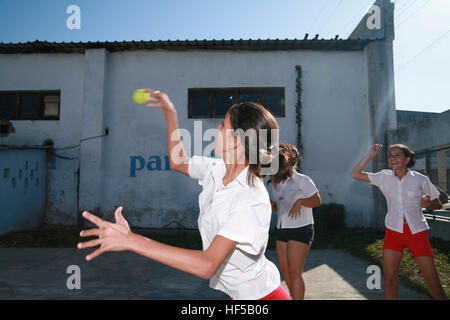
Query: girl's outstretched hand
x=160 y=100
x=111 y=236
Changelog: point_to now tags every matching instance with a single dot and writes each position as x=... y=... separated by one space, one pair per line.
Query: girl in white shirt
x=406 y=193
x=235 y=210
x=293 y=195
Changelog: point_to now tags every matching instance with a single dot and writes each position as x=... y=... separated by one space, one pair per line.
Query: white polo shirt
x=403 y=198
x=286 y=194
x=240 y=213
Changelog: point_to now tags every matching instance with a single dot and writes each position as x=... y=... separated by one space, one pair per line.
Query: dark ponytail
x=246 y=117
x=288 y=159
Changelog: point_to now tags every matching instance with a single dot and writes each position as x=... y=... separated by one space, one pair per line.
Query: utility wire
x=352 y=19
x=327 y=20
x=434 y=43
x=405 y=8
x=320 y=13
x=79 y=145
x=413 y=13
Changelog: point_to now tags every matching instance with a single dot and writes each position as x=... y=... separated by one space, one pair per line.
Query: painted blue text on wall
x=155 y=163
x=137 y=163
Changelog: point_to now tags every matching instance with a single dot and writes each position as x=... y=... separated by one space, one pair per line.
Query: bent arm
x=432 y=204
x=203 y=264
x=178 y=159
x=435 y=204
x=312 y=202
x=357 y=172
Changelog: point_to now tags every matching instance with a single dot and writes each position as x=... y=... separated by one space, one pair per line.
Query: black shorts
x=303 y=234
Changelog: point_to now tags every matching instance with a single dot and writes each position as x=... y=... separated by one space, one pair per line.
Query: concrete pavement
x=41 y=273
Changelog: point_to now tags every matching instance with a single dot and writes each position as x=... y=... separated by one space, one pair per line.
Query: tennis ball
x=140 y=96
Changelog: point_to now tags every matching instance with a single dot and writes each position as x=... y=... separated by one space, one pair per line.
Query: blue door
x=22 y=188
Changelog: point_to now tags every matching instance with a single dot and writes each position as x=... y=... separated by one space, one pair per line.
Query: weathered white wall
x=336 y=129
x=93 y=114
x=335 y=124
x=381 y=98
x=50 y=72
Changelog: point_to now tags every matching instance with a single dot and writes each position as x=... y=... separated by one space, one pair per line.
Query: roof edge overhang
x=184 y=45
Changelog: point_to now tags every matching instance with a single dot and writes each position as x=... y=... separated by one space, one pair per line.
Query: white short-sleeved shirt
x=286 y=194
x=240 y=213
x=403 y=198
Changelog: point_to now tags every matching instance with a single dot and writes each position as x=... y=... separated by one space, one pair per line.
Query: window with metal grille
x=215 y=102
x=30 y=105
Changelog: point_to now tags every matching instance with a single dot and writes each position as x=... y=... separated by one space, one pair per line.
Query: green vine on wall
x=298 y=113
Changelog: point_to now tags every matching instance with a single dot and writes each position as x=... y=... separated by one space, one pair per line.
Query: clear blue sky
x=421 y=47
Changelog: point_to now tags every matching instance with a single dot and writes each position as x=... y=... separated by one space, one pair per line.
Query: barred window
x=29 y=105
x=215 y=102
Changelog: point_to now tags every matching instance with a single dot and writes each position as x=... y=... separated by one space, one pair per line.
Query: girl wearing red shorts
x=406 y=193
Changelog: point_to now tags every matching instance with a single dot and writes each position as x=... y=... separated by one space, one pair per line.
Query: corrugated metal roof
x=255 y=45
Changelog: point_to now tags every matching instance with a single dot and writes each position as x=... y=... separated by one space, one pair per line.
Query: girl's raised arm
x=357 y=172
x=178 y=159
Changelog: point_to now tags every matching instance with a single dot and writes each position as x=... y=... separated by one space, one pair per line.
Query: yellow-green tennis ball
x=141 y=96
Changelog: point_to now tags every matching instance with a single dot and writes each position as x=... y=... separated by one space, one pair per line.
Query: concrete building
x=332 y=98
x=405 y=117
